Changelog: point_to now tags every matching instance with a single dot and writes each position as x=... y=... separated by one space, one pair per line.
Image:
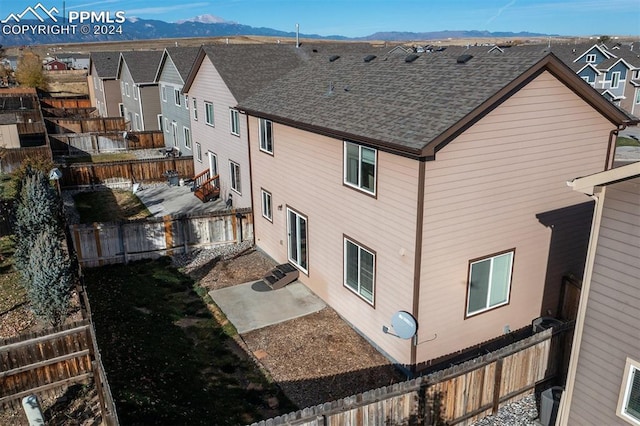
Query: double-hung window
x=360 y=167
x=198 y=152
x=235 y=176
x=615 y=79
x=187 y=137
x=591 y=58
x=163 y=93
x=629 y=399
x=126 y=89
x=266 y=135
x=177 y=97
x=195 y=109
x=267 y=212
x=208 y=113
x=359 y=270
x=235 y=122
x=489 y=282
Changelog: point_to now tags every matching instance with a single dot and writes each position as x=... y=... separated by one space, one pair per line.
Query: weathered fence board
x=69 y=112
x=66 y=102
x=10 y=159
x=88 y=175
x=85 y=125
x=93 y=143
x=459 y=395
x=107 y=243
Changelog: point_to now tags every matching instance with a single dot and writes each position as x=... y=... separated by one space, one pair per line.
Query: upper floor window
x=195 y=109
x=266 y=205
x=177 y=97
x=360 y=167
x=489 y=282
x=126 y=89
x=208 y=113
x=235 y=122
x=629 y=398
x=186 y=101
x=359 y=269
x=163 y=92
x=187 y=137
x=615 y=79
x=235 y=176
x=591 y=58
x=266 y=135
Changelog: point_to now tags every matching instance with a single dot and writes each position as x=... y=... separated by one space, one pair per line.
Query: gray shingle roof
x=403 y=104
x=183 y=58
x=142 y=64
x=106 y=63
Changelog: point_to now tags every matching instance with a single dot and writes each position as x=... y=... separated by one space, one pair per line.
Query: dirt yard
x=316 y=358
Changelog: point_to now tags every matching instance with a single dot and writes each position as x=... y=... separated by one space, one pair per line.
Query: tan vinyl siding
x=611 y=325
x=501 y=185
x=112 y=97
x=306 y=174
x=150 y=99
x=209 y=86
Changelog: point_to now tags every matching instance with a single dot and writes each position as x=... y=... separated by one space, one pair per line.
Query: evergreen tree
x=51 y=277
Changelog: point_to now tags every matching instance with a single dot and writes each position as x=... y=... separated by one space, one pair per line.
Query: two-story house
x=104 y=87
x=430 y=186
x=140 y=95
x=603 y=384
x=221 y=77
x=174 y=118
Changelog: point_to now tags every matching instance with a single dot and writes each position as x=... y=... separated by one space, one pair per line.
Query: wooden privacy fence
x=85 y=125
x=65 y=103
x=459 y=395
x=90 y=175
x=68 y=112
x=107 y=243
x=10 y=159
x=93 y=143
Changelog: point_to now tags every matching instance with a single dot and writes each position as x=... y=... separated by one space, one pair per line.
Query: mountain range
x=207 y=26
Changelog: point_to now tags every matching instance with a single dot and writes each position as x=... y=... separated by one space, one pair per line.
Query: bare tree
x=29 y=71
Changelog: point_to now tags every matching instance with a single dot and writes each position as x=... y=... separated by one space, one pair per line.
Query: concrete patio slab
x=254 y=305
x=162 y=200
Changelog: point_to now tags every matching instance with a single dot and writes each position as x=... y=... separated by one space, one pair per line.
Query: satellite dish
x=404 y=324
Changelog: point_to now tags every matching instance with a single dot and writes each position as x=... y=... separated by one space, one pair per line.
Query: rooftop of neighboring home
x=142 y=65
x=410 y=103
x=106 y=64
x=183 y=59
x=246 y=68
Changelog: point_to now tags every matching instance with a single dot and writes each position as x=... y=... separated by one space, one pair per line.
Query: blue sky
x=355 y=18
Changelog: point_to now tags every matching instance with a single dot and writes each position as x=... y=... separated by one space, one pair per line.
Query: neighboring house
x=9 y=137
x=393 y=189
x=140 y=94
x=174 y=118
x=10 y=62
x=55 y=65
x=21 y=116
x=76 y=61
x=223 y=76
x=104 y=87
x=603 y=384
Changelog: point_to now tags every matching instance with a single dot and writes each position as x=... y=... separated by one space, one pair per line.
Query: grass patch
x=8 y=187
x=169 y=361
x=624 y=141
x=109 y=206
x=101 y=158
x=12 y=293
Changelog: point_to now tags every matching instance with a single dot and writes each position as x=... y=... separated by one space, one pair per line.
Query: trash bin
x=543 y=323
x=172 y=177
x=549 y=403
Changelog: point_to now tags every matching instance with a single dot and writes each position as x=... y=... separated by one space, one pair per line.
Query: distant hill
x=213 y=26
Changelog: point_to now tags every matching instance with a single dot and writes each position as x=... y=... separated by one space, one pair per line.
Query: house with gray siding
x=603 y=384
x=104 y=87
x=397 y=194
x=140 y=95
x=172 y=72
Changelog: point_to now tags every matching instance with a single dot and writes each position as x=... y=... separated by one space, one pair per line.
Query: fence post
x=123 y=237
x=96 y=235
x=168 y=235
x=496 y=386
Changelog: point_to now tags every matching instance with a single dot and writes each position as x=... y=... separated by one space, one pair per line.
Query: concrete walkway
x=253 y=305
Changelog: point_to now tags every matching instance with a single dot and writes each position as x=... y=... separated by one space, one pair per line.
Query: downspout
x=565 y=402
x=612 y=146
x=140 y=105
x=417 y=265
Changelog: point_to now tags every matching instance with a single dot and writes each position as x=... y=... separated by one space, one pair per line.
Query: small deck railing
x=206 y=187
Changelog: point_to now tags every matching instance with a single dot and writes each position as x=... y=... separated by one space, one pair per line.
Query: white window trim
x=206 y=115
x=163 y=92
x=166 y=125
x=126 y=89
x=187 y=137
x=232 y=166
x=267 y=210
x=160 y=122
x=359 y=186
x=591 y=58
x=289 y=257
x=234 y=117
x=613 y=75
x=186 y=102
x=263 y=144
x=122 y=86
x=373 y=273
x=136 y=91
x=198 y=152
x=195 y=109
x=623 y=398
x=487 y=306
x=176 y=97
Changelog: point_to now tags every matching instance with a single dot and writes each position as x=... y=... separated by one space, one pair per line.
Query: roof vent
x=411 y=58
x=334 y=58
x=369 y=58
x=463 y=59
x=441 y=49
